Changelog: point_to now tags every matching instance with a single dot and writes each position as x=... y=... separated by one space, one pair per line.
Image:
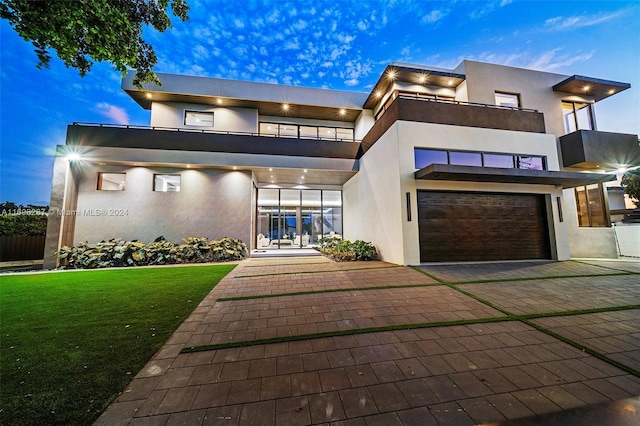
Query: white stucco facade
x=224 y=166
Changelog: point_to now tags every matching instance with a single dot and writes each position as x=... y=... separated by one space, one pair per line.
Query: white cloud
x=238 y=23
x=560 y=23
x=433 y=17
x=117 y=114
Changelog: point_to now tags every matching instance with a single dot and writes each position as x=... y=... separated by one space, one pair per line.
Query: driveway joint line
x=319 y=272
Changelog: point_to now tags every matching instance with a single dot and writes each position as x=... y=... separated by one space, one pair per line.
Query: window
x=198 y=118
x=306 y=132
x=591 y=206
x=529 y=162
x=425 y=157
x=166 y=183
x=111 y=181
x=508 y=100
x=465 y=158
x=502 y=161
x=577 y=116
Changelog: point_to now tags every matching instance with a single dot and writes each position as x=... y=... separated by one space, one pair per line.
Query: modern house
x=482 y=162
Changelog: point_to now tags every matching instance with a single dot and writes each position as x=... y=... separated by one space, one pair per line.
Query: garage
x=476 y=226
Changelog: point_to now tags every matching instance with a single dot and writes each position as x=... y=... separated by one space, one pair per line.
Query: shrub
x=29 y=220
x=117 y=252
x=347 y=251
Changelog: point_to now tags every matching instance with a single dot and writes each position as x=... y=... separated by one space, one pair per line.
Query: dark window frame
x=279 y=134
x=514 y=157
x=155 y=175
x=590 y=111
x=601 y=199
x=99 y=186
x=517 y=95
x=190 y=111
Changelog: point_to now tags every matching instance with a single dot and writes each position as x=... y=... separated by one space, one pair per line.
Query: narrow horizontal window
x=502 y=161
x=198 y=118
x=465 y=158
x=166 y=183
x=425 y=157
x=111 y=181
x=529 y=162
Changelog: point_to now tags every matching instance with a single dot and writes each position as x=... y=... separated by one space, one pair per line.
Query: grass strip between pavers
x=584 y=262
x=505 y=280
x=525 y=318
x=319 y=272
x=295 y=338
x=509 y=317
x=583 y=348
x=331 y=290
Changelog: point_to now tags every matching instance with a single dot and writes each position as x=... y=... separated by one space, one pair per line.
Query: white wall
x=227 y=119
x=598 y=242
x=425 y=135
x=375 y=199
x=372 y=199
x=628 y=238
x=534 y=87
x=211 y=203
x=363 y=124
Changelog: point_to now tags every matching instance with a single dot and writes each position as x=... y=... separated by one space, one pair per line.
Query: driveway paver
x=462 y=371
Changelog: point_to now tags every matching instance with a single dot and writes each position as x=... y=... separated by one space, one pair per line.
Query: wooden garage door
x=461 y=226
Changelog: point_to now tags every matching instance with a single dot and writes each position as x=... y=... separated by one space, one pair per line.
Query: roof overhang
x=412 y=74
x=269 y=99
x=588 y=86
x=521 y=176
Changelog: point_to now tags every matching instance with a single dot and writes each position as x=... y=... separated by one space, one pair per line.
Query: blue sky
x=331 y=44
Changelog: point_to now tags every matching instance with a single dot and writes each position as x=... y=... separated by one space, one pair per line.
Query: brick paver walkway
x=371 y=343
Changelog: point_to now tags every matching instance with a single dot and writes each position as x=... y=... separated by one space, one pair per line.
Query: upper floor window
x=425 y=157
x=511 y=100
x=577 y=116
x=306 y=132
x=198 y=118
x=166 y=183
x=111 y=181
x=591 y=206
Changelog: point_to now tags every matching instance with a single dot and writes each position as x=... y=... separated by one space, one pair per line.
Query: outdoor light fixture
x=343 y=111
x=285 y=107
x=391 y=75
x=422 y=79
x=378 y=93
x=219 y=101
x=148 y=95
x=74 y=156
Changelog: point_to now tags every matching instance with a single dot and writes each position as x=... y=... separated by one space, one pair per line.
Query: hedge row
x=116 y=252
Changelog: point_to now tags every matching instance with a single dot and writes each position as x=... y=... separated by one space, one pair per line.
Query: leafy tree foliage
x=16 y=219
x=84 y=31
x=631 y=184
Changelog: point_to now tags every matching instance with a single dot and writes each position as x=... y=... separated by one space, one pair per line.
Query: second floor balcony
x=455 y=113
x=181 y=139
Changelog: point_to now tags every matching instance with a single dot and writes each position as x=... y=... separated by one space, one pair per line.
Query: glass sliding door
x=293 y=218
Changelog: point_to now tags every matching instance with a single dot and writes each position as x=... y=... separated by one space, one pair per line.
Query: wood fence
x=19 y=247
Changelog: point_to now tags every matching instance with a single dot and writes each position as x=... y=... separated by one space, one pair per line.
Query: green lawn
x=70 y=341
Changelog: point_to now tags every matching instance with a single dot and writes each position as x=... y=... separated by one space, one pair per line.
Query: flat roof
x=268 y=98
x=418 y=74
x=499 y=175
x=598 y=88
